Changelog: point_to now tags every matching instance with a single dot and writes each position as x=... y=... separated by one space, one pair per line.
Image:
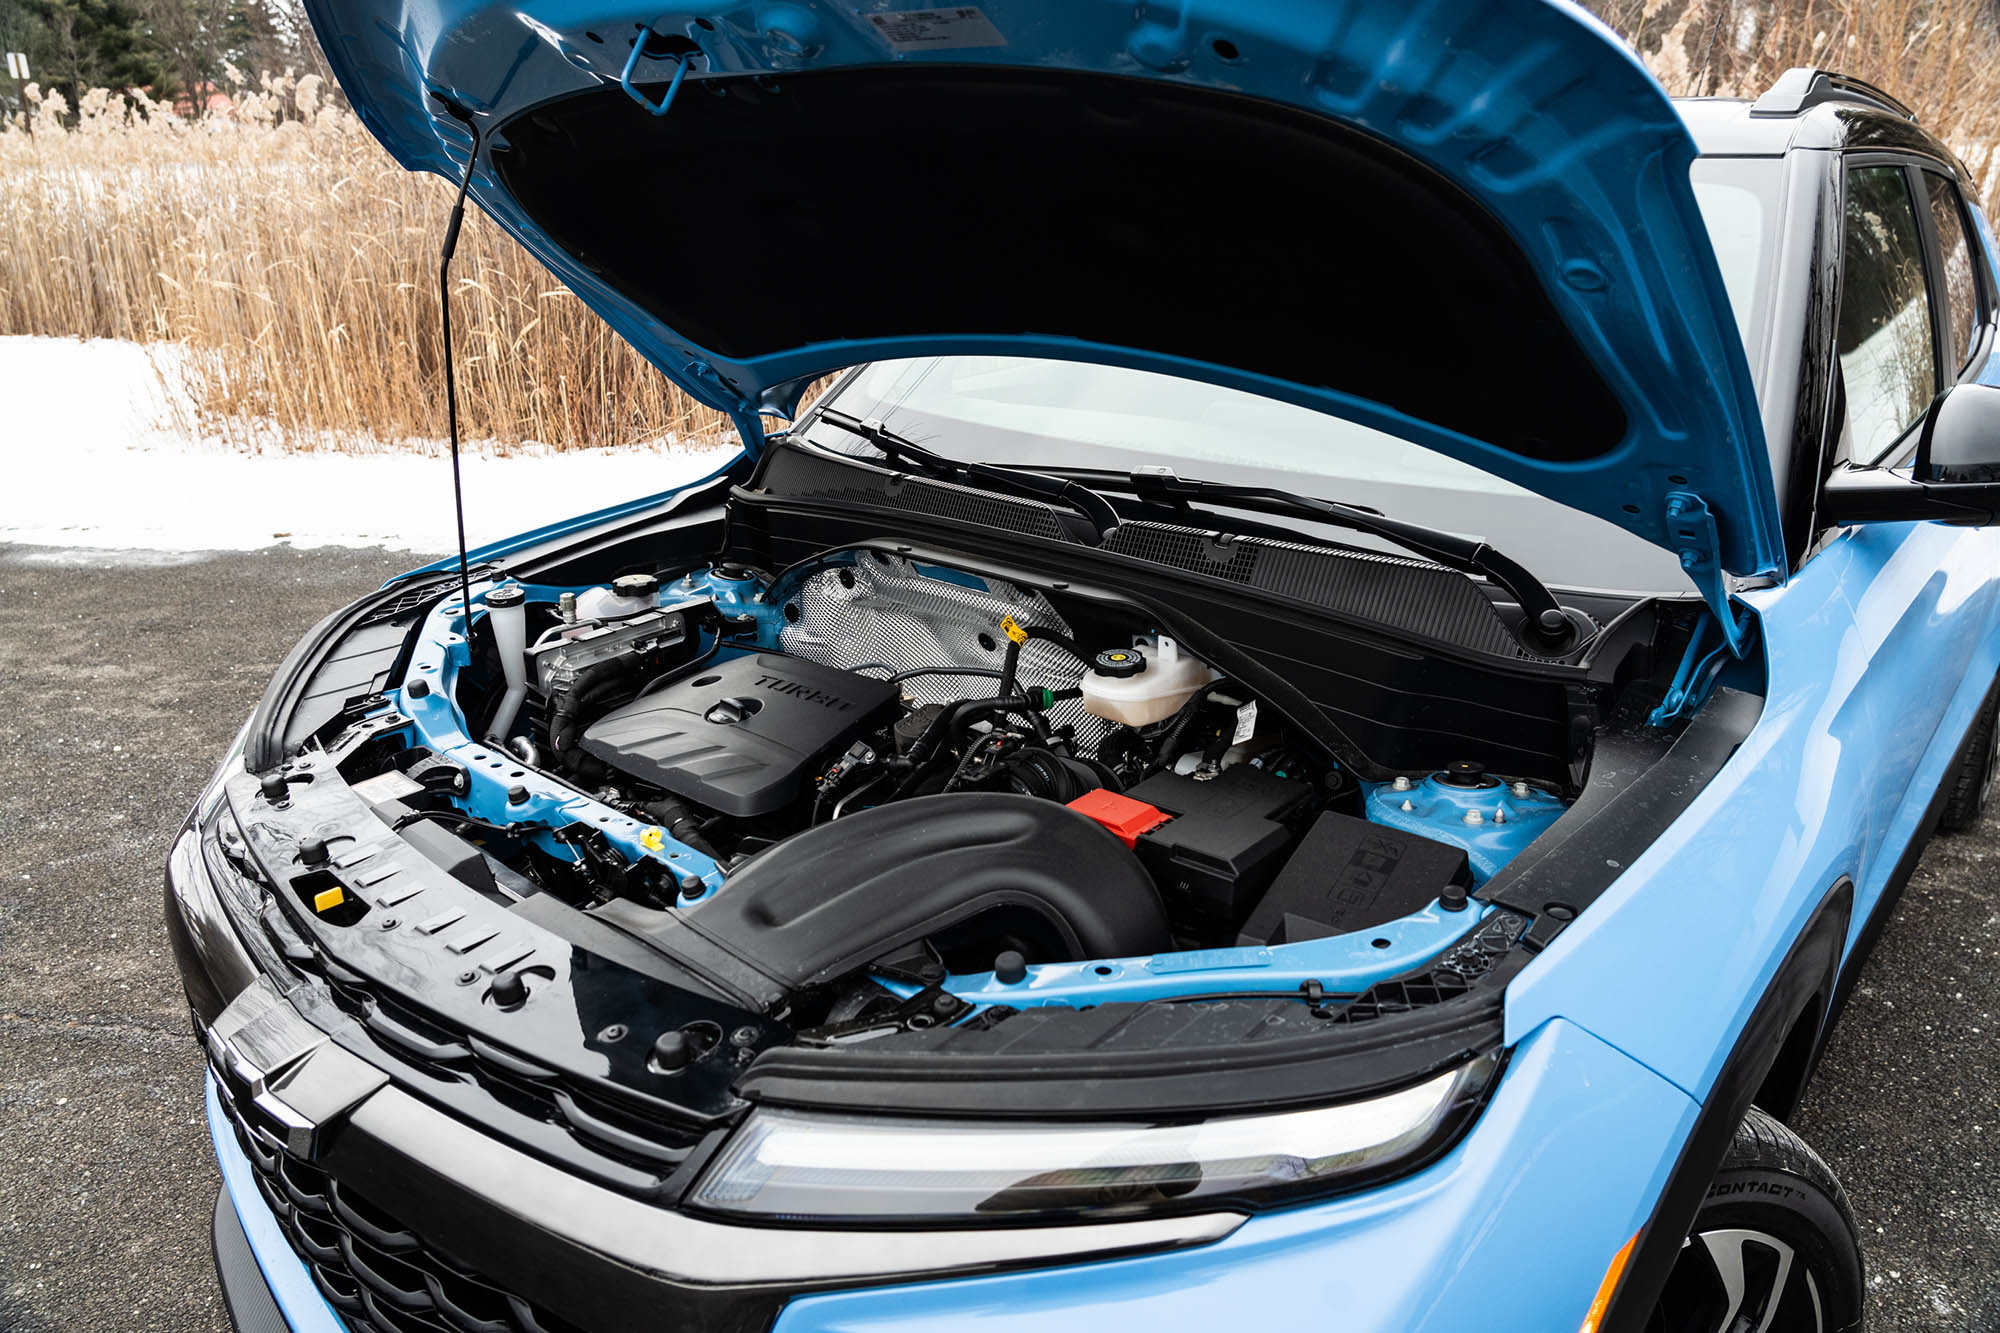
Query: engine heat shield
x=739 y=736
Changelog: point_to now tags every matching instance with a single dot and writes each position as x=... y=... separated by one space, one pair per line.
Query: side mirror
x=1960 y=438
x=1955 y=478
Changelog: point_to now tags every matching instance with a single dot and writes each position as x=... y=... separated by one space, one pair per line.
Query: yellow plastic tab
x=652 y=839
x=1013 y=630
x=328 y=899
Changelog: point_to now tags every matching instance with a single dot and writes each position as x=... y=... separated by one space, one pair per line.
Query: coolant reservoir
x=1145 y=683
x=626 y=596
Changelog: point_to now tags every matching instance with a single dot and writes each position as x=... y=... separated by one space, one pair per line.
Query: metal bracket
x=1694 y=678
x=1691 y=528
x=632 y=62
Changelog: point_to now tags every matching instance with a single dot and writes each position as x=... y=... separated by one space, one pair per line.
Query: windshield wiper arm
x=1015 y=481
x=1546 y=627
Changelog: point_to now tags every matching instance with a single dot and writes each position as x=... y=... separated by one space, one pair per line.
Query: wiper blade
x=1546 y=627
x=1014 y=481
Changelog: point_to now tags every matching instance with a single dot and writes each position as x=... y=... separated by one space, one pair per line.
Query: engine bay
x=869 y=780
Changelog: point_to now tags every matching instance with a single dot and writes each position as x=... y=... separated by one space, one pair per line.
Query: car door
x=1915 y=309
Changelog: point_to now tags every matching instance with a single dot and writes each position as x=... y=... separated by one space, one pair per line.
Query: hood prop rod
x=445 y=253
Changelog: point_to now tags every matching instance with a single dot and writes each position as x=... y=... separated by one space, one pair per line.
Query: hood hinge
x=1691 y=526
x=749 y=421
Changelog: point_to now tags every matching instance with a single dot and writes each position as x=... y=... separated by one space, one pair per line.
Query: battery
x=1226 y=840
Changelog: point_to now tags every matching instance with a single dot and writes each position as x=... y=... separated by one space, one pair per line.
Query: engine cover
x=740 y=736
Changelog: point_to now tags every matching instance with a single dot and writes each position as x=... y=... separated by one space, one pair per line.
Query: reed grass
x=295 y=265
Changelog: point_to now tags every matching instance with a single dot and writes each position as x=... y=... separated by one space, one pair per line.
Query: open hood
x=1468 y=223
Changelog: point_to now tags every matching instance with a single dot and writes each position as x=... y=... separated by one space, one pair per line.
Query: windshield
x=1050 y=414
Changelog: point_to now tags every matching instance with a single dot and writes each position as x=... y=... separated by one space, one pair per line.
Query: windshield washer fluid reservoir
x=1163 y=680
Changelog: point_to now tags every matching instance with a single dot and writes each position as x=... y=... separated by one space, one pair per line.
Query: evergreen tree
x=76 y=45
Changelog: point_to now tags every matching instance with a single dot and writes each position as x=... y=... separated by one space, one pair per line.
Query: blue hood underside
x=1468 y=222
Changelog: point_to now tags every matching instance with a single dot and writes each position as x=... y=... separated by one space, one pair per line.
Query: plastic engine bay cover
x=738 y=735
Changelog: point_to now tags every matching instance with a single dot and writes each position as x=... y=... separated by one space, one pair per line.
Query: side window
x=1958 y=287
x=1886 y=359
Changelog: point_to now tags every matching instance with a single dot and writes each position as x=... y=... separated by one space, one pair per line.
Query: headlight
x=816 y=1168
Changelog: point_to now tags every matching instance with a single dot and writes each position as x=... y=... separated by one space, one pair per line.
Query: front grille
x=380 y=1276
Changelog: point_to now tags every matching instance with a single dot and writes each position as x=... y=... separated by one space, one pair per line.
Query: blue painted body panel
x=1878 y=653
x=1531 y=106
x=1513 y=1229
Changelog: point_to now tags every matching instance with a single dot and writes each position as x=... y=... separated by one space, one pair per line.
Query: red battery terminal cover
x=1124 y=816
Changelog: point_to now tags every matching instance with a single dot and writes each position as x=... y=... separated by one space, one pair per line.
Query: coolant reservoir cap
x=635 y=585
x=1119 y=663
x=507 y=594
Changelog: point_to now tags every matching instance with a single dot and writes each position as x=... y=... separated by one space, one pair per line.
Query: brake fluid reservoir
x=1143 y=684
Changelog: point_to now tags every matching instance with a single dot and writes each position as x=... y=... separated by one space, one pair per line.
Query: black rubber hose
x=673 y=815
x=948 y=721
x=1182 y=721
x=1012 y=660
x=988 y=672
x=567 y=713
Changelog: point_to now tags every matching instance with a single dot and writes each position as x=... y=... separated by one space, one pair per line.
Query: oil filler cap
x=1119 y=663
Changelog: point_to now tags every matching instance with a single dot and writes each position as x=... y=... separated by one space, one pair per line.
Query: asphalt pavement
x=121 y=680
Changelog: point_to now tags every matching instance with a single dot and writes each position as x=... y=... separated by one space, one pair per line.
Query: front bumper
x=1512 y=1230
x=265 y=1286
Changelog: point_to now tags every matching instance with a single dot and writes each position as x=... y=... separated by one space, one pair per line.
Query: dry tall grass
x=1939 y=57
x=296 y=263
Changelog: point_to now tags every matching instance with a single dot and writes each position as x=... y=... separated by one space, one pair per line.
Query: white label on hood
x=937 y=29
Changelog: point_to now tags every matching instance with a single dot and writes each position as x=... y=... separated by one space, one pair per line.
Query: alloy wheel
x=1739 y=1280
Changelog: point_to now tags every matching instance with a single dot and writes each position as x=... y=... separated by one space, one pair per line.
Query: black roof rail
x=1800 y=89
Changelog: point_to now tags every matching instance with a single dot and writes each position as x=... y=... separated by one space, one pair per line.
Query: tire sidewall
x=1802 y=1215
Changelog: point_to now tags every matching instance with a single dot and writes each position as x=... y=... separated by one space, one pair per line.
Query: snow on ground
x=91 y=459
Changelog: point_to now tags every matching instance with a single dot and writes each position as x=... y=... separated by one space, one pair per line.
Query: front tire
x=1969 y=784
x=1773 y=1247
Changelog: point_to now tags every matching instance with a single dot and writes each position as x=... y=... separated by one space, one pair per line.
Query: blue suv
x=1312 y=729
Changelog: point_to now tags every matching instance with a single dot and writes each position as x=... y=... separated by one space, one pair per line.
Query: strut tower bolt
x=1474 y=817
x=1400 y=784
x=1522 y=791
